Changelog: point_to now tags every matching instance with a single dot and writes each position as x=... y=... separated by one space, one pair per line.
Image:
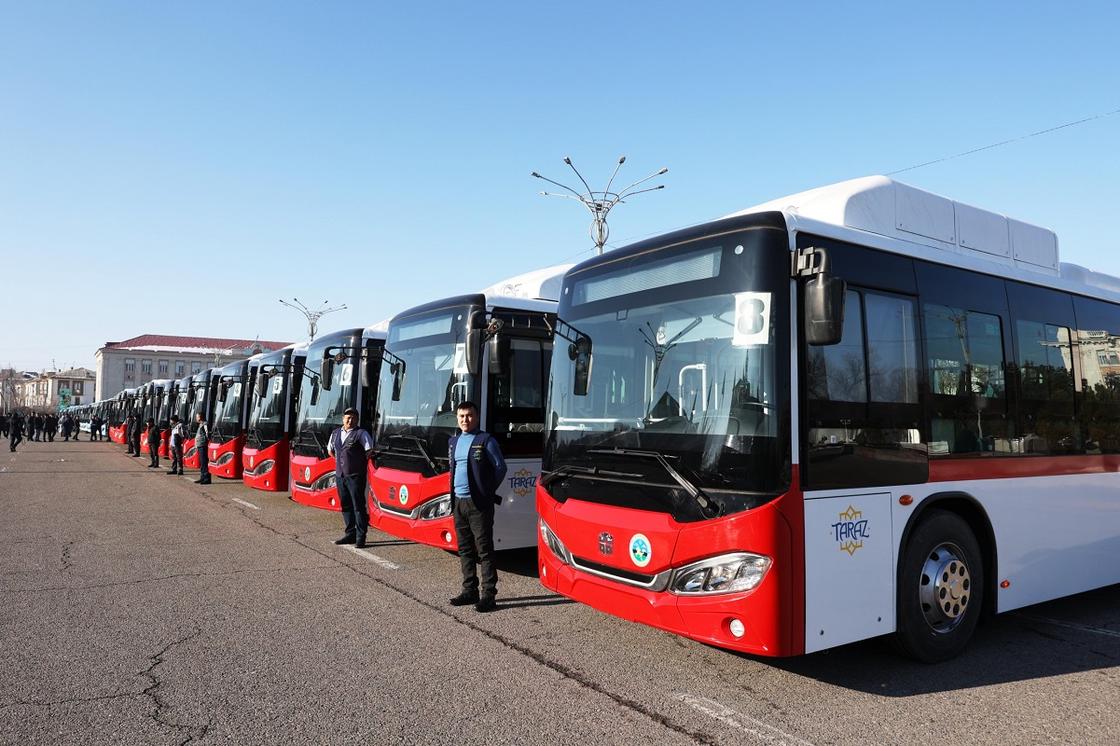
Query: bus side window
x=864 y=402
x=1097 y=341
x=965 y=367
x=516 y=407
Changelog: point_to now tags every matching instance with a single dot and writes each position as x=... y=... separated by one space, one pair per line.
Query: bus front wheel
x=940 y=588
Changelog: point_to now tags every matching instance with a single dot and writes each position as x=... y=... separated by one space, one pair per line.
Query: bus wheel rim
x=945 y=588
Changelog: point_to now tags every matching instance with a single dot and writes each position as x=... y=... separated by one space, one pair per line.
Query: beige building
x=47 y=392
x=127 y=364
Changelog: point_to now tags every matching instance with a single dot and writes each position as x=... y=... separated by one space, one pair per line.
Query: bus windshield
x=689 y=379
x=413 y=432
x=227 y=422
x=266 y=420
x=318 y=419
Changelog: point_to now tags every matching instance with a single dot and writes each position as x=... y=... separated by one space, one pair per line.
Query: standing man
x=129 y=422
x=15 y=431
x=153 y=444
x=477 y=470
x=175 y=447
x=66 y=422
x=202 y=445
x=351 y=446
x=51 y=422
x=137 y=428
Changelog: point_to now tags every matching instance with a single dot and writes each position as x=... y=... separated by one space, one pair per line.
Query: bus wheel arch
x=946 y=560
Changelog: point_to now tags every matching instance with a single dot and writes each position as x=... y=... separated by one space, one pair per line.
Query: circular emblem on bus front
x=307 y=473
x=403 y=495
x=640 y=550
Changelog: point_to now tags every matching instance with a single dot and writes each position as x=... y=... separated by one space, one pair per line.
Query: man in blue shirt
x=351 y=446
x=477 y=470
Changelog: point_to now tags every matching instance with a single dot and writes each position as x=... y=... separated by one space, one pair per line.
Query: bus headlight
x=437 y=508
x=324 y=482
x=728 y=573
x=554 y=544
x=224 y=459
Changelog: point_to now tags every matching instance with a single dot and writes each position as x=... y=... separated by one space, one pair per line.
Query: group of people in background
x=39 y=427
x=135 y=425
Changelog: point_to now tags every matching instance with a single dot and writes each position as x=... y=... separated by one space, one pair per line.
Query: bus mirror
x=314 y=391
x=222 y=388
x=326 y=373
x=824 y=309
x=471 y=352
x=580 y=353
x=498 y=349
x=262 y=383
x=398 y=379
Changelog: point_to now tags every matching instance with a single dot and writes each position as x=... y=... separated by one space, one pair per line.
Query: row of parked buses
x=855 y=411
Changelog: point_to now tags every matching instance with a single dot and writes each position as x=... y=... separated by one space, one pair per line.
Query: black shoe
x=485 y=604
x=360 y=544
x=172 y=472
x=466 y=598
x=345 y=540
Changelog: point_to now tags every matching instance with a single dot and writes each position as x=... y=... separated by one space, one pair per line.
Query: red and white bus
x=153 y=397
x=340 y=372
x=492 y=348
x=744 y=452
x=272 y=417
x=119 y=409
x=233 y=386
x=201 y=401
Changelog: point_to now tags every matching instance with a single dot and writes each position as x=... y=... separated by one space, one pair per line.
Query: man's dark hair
x=466 y=404
x=174 y=418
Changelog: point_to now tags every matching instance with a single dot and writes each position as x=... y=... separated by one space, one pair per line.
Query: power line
x=1006 y=142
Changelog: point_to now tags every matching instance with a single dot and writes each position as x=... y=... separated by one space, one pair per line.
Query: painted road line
x=380 y=561
x=1070 y=625
x=739 y=721
x=246 y=503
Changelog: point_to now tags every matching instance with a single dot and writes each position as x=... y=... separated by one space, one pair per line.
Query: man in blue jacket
x=477 y=470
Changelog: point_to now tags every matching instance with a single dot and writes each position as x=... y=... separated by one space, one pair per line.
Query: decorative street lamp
x=600 y=203
x=312 y=316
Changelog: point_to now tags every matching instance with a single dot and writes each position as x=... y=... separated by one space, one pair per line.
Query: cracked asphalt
x=142 y=608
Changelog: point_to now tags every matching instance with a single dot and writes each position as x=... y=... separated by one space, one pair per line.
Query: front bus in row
x=272 y=417
x=492 y=348
x=340 y=372
x=855 y=411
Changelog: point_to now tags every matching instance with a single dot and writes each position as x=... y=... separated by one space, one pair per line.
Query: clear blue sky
x=160 y=162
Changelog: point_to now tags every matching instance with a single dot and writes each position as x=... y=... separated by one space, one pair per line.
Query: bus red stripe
x=1004 y=467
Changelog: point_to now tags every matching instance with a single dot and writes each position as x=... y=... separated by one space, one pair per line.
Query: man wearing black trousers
x=153 y=444
x=202 y=447
x=351 y=446
x=477 y=470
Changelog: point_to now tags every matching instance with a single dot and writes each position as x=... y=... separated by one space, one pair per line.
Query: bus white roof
x=381 y=327
x=538 y=290
x=956 y=232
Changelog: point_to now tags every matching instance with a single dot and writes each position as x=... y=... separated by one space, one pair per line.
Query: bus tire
x=940 y=588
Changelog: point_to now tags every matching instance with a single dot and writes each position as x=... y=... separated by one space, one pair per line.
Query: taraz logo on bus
x=522 y=481
x=606 y=543
x=640 y=550
x=403 y=493
x=850 y=531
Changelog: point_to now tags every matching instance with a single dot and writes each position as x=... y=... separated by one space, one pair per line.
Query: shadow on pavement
x=1016 y=646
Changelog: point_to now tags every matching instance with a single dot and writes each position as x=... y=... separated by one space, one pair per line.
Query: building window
x=196 y=367
x=146 y=367
x=180 y=368
x=76 y=388
x=76 y=400
x=129 y=365
x=163 y=368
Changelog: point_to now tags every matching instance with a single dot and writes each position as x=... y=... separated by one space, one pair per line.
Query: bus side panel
x=1055 y=535
x=849 y=569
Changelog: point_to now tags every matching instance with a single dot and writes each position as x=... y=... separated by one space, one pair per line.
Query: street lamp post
x=600 y=203
x=312 y=316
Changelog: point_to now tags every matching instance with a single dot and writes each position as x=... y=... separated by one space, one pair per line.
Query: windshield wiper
x=254 y=433
x=591 y=471
x=315 y=438
x=689 y=486
x=421 y=450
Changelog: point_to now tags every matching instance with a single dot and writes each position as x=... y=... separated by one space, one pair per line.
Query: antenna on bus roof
x=600 y=203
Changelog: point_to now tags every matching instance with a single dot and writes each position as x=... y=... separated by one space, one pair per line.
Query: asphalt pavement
x=137 y=607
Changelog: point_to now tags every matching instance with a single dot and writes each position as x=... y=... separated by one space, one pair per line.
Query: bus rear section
x=667 y=494
x=234 y=391
x=492 y=348
x=265 y=457
x=340 y=372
